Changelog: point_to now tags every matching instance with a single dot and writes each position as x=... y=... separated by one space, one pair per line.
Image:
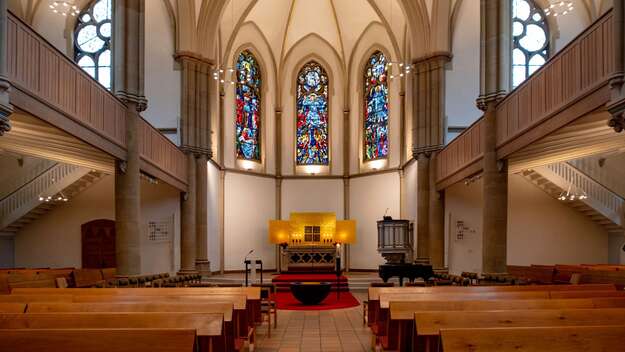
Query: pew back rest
x=222 y=308
x=34 y=298
x=580 y=338
x=238 y=301
x=430 y=323
x=385 y=299
x=87 y=277
x=405 y=310
x=204 y=324
x=252 y=293
x=97 y=340
x=12 y=307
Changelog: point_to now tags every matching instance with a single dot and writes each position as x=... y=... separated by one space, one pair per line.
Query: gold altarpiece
x=311 y=241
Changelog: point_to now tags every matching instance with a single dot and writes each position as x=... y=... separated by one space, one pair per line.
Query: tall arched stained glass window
x=248 y=100
x=312 y=115
x=376 y=108
x=530 y=36
x=92 y=41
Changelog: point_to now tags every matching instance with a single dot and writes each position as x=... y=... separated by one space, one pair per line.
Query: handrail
x=31 y=191
x=39 y=69
x=602 y=199
x=32 y=171
x=565 y=78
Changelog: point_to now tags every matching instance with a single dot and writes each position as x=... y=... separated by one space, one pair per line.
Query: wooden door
x=98 y=244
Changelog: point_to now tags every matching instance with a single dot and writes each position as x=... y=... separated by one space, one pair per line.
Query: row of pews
x=556 y=274
x=498 y=318
x=129 y=319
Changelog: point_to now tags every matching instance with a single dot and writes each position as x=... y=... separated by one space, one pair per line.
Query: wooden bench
x=208 y=326
x=34 y=298
x=570 y=339
x=394 y=325
x=535 y=274
x=428 y=324
x=97 y=340
x=225 y=309
x=12 y=307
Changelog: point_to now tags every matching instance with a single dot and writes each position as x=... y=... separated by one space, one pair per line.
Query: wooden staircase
x=602 y=206
x=23 y=206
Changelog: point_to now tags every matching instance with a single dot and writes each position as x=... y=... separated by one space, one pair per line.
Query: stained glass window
x=312 y=115
x=376 y=108
x=248 y=107
x=92 y=41
x=530 y=36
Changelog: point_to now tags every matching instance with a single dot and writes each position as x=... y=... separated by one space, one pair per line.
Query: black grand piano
x=396 y=245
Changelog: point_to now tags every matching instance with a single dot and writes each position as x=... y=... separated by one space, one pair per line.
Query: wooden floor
x=330 y=330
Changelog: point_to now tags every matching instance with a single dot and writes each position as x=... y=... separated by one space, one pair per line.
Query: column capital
x=5 y=111
x=427 y=151
x=140 y=102
x=191 y=56
x=483 y=101
x=432 y=61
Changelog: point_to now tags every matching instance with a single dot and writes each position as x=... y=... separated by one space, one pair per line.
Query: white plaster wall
x=541 y=229
x=52 y=27
x=308 y=48
x=7 y=251
x=162 y=80
x=315 y=195
x=214 y=215
x=249 y=37
x=462 y=80
x=464 y=203
x=160 y=202
x=616 y=248
x=374 y=38
x=249 y=205
x=370 y=196
x=54 y=240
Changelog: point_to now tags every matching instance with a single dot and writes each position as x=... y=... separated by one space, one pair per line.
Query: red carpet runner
x=285 y=300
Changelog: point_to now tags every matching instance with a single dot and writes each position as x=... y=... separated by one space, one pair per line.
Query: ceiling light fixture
x=572 y=194
x=559 y=8
x=59 y=197
x=64 y=8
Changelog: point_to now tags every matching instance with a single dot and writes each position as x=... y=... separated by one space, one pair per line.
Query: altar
x=311 y=242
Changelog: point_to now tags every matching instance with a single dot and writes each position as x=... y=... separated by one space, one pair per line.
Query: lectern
x=249 y=267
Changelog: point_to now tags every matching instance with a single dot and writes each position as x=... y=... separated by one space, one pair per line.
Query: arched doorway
x=98 y=244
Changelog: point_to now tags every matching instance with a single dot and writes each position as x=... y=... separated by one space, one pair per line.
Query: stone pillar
x=495 y=195
x=617 y=105
x=202 y=264
x=428 y=135
x=128 y=200
x=436 y=220
x=128 y=84
x=5 y=107
x=423 y=205
x=188 y=216
x=495 y=50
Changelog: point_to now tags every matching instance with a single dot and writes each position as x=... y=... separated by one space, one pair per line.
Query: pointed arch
x=375 y=109
x=248 y=100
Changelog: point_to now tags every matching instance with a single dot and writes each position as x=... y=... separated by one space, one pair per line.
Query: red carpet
x=285 y=300
x=283 y=281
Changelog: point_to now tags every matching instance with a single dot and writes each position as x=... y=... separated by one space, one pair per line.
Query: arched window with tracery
x=92 y=41
x=530 y=37
x=312 y=115
x=248 y=107
x=375 y=108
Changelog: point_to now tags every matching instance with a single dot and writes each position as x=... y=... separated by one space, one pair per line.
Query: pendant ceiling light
x=64 y=8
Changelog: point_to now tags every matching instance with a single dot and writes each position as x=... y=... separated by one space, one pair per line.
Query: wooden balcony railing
x=46 y=74
x=576 y=72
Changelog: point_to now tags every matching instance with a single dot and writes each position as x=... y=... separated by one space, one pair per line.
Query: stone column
x=128 y=84
x=423 y=205
x=202 y=264
x=5 y=107
x=428 y=135
x=436 y=220
x=495 y=195
x=188 y=217
x=617 y=106
x=128 y=200
x=495 y=52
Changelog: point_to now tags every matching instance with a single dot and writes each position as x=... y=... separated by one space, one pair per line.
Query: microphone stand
x=247 y=262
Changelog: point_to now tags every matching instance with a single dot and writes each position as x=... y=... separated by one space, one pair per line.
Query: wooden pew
x=537 y=274
x=570 y=339
x=208 y=327
x=34 y=298
x=374 y=292
x=400 y=323
x=97 y=340
x=12 y=307
x=428 y=324
x=225 y=309
x=585 y=294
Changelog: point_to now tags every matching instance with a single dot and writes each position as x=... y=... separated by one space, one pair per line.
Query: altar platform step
x=283 y=281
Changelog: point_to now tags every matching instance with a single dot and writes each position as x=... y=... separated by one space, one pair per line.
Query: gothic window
x=248 y=104
x=376 y=108
x=312 y=115
x=530 y=36
x=92 y=41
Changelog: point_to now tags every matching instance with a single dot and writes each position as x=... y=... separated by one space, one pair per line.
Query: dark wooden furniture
x=410 y=271
x=98 y=244
x=310 y=293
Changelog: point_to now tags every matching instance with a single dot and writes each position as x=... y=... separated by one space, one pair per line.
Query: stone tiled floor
x=329 y=330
